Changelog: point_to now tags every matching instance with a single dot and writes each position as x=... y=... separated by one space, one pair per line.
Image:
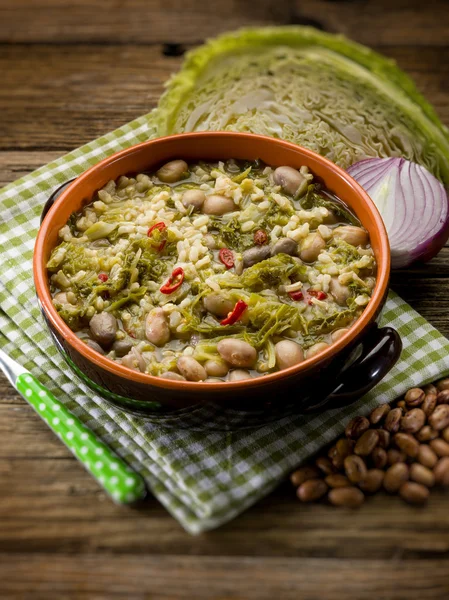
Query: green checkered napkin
x=203 y=478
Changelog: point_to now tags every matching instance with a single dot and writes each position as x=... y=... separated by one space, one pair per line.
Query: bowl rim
x=368 y=315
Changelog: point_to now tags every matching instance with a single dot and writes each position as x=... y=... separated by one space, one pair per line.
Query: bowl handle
x=51 y=199
x=381 y=349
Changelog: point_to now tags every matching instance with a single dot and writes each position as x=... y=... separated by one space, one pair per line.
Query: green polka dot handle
x=123 y=484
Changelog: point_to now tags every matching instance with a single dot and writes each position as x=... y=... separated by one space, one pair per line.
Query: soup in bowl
x=215 y=268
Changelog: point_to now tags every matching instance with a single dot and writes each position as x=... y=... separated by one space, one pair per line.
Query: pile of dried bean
x=402 y=449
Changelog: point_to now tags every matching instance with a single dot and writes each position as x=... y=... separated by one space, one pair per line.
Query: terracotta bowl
x=338 y=376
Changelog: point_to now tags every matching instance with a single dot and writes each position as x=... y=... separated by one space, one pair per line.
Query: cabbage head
x=315 y=89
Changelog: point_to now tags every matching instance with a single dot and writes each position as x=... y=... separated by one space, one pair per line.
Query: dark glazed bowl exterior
x=338 y=376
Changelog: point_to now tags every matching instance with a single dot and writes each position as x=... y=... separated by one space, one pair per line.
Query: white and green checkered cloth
x=203 y=478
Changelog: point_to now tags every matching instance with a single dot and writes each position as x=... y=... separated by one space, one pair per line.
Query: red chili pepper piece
x=317 y=294
x=226 y=256
x=103 y=277
x=174 y=281
x=158 y=227
x=260 y=237
x=296 y=295
x=235 y=314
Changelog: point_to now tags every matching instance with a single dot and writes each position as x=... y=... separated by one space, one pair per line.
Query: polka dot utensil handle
x=124 y=485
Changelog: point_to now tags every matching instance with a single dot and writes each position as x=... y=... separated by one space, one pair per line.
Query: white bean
x=60 y=298
x=316 y=349
x=103 y=327
x=290 y=180
x=288 y=353
x=216 y=367
x=338 y=334
x=285 y=246
x=172 y=171
x=340 y=292
x=122 y=347
x=237 y=352
x=255 y=255
x=311 y=247
x=356 y=236
x=172 y=375
x=218 y=305
x=194 y=198
x=239 y=375
x=191 y=369
x=157 y=330
x=134 y=360
x=218 y=205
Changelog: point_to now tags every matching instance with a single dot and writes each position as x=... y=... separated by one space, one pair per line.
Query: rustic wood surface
x=72 y=71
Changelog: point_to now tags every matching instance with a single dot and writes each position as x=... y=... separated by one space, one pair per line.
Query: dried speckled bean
x=356 y=427
x=350 y=497
x=422 y=474
x=440 y=447
x=379 y=413
x=345 y=447
x=426 y=434
x=413 y=420
x=445 y=434
x=384 y=438
x=441 y=471
x=407 y=443
x=366 y=443
x=335 y=457
x=395 y=456
x=355 y=468
x=311 y=490
x=443 y=384
x=428 y=406
x=430 y=389
x=443 y=397
x=325 y=466
x=379 y=458
x=414 y=397
x=395 y=476
x=373 y=481
x=304 y=474
x=426 y=456
x=439 y=419
x=337 y=480
x=414 y=493
x=393 y=420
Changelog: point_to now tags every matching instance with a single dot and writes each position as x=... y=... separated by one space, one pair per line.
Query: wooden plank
x=43 y=507
x=139 y=577
x=59 y=100
x=136 y=21
x=379 y=23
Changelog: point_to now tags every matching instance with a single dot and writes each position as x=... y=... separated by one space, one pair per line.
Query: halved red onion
x=413 y=203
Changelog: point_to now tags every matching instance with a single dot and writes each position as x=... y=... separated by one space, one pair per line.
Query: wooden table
x=71 y=72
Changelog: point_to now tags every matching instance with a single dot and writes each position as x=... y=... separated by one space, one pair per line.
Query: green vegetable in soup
x=315 y=89
x=272 y=272
x=316 y=197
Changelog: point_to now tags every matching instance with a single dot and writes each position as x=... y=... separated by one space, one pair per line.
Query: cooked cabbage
x=316 y=89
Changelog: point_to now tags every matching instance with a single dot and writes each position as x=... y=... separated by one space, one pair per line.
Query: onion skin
x=413 y=204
